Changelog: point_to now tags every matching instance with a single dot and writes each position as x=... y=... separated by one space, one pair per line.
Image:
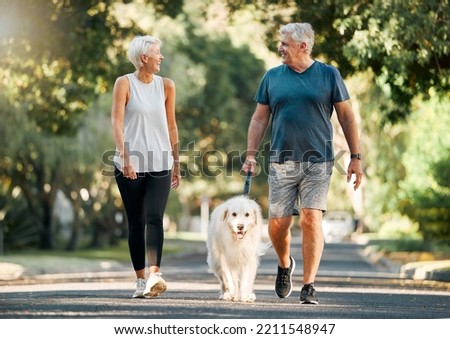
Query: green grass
x=409 y=245
x=173 y=244
x=117 y=253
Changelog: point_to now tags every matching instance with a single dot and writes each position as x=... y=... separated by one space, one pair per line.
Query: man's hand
x=354 y=168
x=249 y=165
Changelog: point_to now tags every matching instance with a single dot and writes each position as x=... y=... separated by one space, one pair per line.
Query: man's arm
x=256 y=130
x=347 y=121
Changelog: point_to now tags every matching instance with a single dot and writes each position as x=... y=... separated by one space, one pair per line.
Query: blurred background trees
x=59 y=60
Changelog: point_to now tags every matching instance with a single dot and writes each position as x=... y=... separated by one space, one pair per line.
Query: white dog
x=234 y=247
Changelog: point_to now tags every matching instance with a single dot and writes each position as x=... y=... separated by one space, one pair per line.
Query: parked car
x=337 y=226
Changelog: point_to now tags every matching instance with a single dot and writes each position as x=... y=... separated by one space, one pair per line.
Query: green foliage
x=404 y=43
x=18 y=225
x=430 y=207
x=58 y=58
x=54 y=68
x=383 y=147
x=404 y=164
x=54 y=58
x=171 y=8
x=441 y=171
x=219 y=114
x=401 y=244
x=425 y=191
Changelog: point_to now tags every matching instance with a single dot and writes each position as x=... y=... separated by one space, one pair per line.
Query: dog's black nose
x=240 y=227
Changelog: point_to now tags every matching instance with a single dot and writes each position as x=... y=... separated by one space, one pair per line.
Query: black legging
x=145 y=200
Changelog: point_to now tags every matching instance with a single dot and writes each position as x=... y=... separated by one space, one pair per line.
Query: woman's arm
x=121 y=94
x=169 y=90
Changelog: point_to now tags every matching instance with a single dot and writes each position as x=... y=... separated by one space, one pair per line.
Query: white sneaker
x=155 y=285
x=140 y=288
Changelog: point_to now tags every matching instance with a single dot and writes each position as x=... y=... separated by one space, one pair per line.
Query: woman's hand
x=128 y=169
x=176 y=175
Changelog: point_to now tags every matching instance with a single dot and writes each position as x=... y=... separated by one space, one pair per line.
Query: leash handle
x=248 y=181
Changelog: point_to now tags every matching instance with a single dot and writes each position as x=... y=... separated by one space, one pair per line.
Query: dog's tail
x=262 y=248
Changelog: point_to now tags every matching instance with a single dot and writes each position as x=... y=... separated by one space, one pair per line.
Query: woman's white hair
x=141 y=45
x=300 y=32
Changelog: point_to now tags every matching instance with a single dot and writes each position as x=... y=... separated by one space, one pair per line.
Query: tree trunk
x=75 y=235
x=46 y=234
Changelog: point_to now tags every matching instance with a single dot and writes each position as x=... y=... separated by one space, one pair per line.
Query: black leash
x=248 y=181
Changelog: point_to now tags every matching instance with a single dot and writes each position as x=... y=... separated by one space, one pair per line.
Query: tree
x=425 y=190
x=56 y=57
x=431 y=206
x=403 y=48
x=54 y=66
x=404 y=43
x=34 y=167
x=219 y=114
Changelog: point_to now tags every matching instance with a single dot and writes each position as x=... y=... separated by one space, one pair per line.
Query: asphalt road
x=348 y=285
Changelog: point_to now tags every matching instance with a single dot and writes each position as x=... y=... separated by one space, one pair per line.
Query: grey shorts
x=298 y=185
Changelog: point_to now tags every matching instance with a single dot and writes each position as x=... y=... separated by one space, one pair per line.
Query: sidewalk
x=28 y=269
x=51 y=268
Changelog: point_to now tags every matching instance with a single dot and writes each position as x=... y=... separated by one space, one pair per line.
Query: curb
x=421 y=270
x=9 y=271
x=69 y=278
x=427 y=270
x=86 y=269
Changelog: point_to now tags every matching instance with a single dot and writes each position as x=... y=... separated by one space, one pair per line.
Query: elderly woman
x=146 y=159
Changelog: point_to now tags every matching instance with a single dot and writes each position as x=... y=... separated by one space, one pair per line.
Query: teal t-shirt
x=301 y=106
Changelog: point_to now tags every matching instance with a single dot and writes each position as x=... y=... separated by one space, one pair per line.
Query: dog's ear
x=225 y=213
x=257 y=216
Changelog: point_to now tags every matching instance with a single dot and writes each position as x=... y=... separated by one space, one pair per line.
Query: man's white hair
x=300 y=32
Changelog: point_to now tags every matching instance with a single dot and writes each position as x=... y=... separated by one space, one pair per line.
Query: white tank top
x=145 y=129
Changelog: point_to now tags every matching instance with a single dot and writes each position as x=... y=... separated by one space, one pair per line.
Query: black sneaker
x=308 y=295
x=283 y=284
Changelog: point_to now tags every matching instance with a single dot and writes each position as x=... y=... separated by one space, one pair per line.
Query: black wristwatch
x=355 y=156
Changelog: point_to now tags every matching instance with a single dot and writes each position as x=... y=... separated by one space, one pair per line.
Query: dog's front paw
x=249 y=298
x=226 y=296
